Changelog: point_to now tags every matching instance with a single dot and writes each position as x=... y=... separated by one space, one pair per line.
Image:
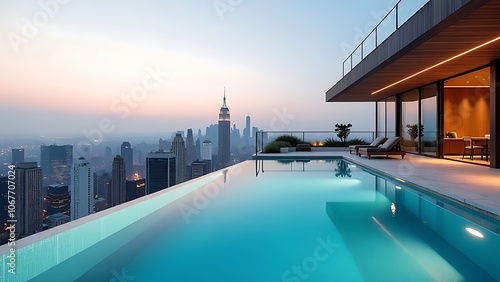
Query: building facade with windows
x=435 y=79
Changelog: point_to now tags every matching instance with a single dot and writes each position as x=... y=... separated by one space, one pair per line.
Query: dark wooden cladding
x=440 y=30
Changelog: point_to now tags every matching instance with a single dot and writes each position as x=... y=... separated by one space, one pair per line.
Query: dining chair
x=469 y=145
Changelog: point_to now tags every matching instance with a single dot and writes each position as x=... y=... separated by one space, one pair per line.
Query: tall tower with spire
x=224 y=152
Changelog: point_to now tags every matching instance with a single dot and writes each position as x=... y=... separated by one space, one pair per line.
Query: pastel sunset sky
x=161 y=66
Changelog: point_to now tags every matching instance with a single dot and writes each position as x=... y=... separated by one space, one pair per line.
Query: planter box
x=284 y=150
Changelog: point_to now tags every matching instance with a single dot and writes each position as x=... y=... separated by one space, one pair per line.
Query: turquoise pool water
x=317 y=220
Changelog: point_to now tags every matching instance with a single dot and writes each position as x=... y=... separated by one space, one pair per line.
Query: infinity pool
x=305 y=220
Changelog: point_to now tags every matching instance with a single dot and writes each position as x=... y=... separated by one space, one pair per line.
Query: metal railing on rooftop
x=395 y=18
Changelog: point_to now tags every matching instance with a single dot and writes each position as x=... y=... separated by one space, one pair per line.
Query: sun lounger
x=389 y=148
x=377 y=142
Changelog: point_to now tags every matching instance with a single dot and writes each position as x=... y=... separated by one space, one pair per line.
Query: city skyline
x=183 y=55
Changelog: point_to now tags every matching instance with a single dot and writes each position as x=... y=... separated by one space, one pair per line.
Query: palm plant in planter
x=343 y=131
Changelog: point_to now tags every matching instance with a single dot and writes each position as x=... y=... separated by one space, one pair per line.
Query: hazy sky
x=161 y=66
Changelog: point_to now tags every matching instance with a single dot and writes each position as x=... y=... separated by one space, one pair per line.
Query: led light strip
x=436 y=65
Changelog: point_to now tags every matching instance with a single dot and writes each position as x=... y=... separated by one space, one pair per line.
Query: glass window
x=381 y=119
x=428 y=120
x=390 y=124
x=410 y=130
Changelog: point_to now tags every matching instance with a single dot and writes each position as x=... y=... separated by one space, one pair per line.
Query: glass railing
x=316 y=138
x=392 y=21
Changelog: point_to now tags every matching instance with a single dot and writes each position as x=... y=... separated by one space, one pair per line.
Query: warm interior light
x=436 y=65
x=474 y=232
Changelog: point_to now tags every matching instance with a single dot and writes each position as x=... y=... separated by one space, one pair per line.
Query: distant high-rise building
x=128 y=156
x=254 y=131
x=198 y=149
x=107 y=153
x=29 y=201
x=160 y=171
x=164 y=145
x=247 y=130
x=224 y=151
x=136 y=188
x=100 y=204
x=190 y=147
x=57 y=219
x=102 y=184
x=56 y=162
x=199 y=168
x=17 y=156
x=213 y=135
x=57 y=200
x=179 y=149
x=82 y=189
x=206 y=150
x=117 y=192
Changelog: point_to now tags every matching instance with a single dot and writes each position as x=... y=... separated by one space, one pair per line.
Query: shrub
x=290 y=139
x=274 y=147
x=330 y=142
x=357 y=141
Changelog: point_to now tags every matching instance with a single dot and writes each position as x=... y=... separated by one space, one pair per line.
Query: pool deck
x=474 y=185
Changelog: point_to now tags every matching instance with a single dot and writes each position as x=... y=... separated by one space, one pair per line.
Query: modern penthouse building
x=437 y=73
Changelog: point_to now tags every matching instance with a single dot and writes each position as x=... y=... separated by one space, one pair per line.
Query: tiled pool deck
x=476 y=185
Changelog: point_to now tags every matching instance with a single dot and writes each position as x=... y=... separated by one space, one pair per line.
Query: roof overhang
x=443 y=39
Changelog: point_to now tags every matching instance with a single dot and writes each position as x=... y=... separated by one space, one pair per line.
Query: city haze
x=161 y=66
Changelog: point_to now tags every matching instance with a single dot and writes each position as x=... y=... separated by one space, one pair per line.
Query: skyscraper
x=29 y=201
x=17 y=156
x=247 y=130
x=117 y=192
x=179 y=149
x=224 y=151
x=199 y=168
x=206 y=150
x=56 y=162
x=128 y=156
x=82 y=189
x=58 y=200
x=136 y=188
x=160 y=171
x=190 y=147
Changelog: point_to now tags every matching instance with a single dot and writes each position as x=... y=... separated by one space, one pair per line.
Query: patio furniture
x=390 y=147
x=377 y=142
x=303 y=147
